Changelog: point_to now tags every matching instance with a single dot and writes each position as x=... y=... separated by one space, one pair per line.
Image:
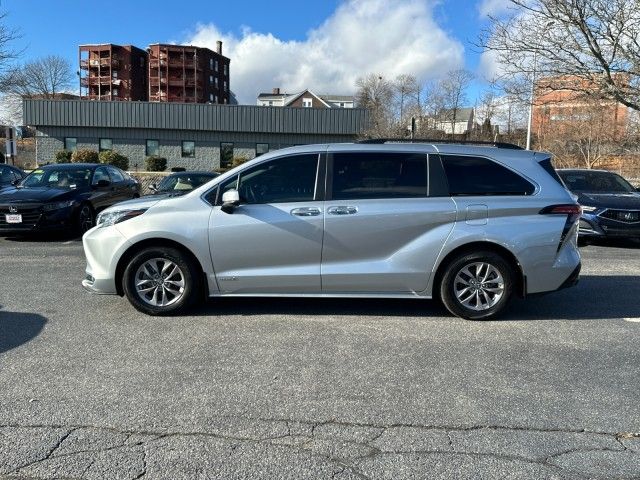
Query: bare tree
x=7 y=53
x=45 y=77
x=594 y=42
x=583 y=135
x=453 y=92
x=407 y=93
x=375 y=93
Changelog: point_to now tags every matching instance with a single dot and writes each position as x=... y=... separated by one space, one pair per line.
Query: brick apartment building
x=560 y=106
x=179 y=73
x=113 y=72
x=162 y=73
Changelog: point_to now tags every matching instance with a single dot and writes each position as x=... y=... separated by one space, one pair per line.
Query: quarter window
x=481 y=176
x=70 y=144
x=152 y=148
x=188 y=149
x=287 y=179
x=379 y=175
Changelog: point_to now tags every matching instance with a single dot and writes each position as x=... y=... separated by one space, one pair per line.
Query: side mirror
x=102 y=183
x=230 y=200
x=153 y=187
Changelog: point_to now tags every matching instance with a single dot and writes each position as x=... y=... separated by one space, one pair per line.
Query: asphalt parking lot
x=345 y=389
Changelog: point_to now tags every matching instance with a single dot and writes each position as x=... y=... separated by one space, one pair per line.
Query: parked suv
x=471 y=225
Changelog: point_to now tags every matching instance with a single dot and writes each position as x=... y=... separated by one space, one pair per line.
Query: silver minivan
x=470 y=225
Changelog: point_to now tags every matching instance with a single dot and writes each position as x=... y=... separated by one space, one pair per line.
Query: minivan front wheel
x=477 y=286
x=160 y=281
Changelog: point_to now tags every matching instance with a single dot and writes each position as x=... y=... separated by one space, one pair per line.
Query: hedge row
x=108 y=157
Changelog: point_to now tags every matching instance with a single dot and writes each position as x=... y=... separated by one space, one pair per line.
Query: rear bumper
x=573 y=279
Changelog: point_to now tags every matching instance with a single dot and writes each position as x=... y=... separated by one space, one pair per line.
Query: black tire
x=86 y=219
x=188 y=272
x=484 y=307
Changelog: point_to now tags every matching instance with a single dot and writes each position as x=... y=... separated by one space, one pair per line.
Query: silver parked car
x=470 y=225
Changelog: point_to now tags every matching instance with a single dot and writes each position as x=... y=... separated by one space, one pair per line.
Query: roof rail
x=372 y=141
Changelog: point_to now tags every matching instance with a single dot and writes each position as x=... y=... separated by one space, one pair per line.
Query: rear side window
x=366 y=175
x=548 y=167
x=481 y=176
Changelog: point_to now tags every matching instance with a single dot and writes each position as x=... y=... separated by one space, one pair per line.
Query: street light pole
x=533 y=86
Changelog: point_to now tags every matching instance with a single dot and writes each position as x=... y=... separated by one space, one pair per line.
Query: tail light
x=571 y=210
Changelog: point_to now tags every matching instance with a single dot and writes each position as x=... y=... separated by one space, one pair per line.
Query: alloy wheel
x=479 y=286
x=86 y=219
x=159 y=282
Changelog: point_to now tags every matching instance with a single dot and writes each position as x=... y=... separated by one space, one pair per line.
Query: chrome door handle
x=306 y=212
x=342 y=210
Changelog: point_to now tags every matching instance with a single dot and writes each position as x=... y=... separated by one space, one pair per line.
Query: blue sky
x=323 y=44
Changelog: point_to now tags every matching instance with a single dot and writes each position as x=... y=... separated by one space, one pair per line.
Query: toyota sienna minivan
x=469 y=225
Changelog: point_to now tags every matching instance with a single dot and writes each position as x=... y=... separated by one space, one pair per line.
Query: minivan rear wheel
x=160 y=281
x=477 y=286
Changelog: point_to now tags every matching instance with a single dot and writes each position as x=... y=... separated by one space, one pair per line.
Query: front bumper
x=36 y=221
x=594 y=226
x=103 y=247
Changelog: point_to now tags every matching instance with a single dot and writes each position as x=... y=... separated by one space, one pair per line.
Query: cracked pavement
x=344 y=389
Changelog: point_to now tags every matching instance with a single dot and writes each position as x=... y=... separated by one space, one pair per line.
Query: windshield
x=58 y=178
x=596 y=182
x=183 y=183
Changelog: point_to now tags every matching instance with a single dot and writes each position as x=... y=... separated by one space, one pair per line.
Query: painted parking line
x=634 y=320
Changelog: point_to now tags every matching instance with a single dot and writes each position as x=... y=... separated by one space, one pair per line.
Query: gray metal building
x=198 y=136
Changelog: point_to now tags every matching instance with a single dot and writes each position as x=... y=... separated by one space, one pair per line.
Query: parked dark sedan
x=63 y=197
x=9 y=175
x=610 y=204
x=182 y=182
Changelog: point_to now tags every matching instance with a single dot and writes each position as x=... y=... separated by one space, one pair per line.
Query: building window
x=188 y=149
x=70 y=144
x=211 y=97
x=225 y=85
x=211 y=79
x=341 y=104
x=261 y=149
x=216 y=98
x=115 y=92
x=105 y=144
x=211 y=64
x=216 y=65
x=225 y=68
x=216 y=82
x=114 y=74
x=152 y=148
x=271 y=103
x=226 y=155
x=307 y=102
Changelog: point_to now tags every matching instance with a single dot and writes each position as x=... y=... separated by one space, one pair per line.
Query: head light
x=106 y=219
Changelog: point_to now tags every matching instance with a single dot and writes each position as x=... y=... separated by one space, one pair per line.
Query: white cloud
x=360 y=37
x=493 y=7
